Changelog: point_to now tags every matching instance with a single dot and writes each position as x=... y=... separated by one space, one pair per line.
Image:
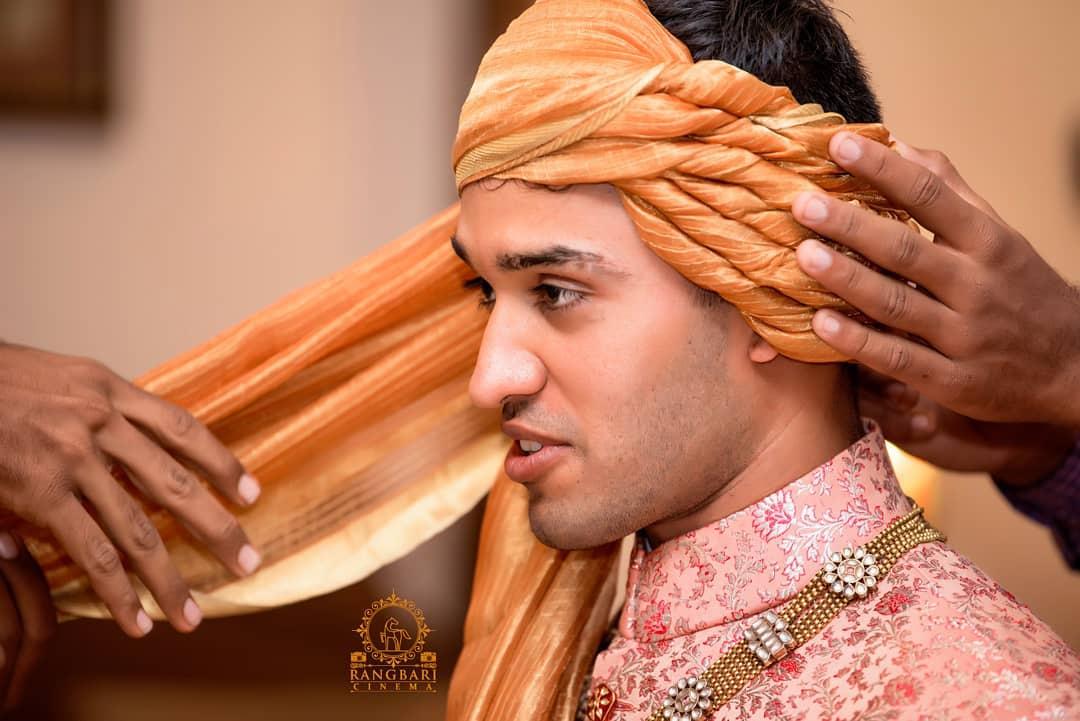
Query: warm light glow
x=918 y=478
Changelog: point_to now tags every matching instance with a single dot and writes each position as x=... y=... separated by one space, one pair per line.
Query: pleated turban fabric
x=706 y=157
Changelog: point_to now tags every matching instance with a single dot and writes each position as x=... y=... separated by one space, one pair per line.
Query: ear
x=760 y=351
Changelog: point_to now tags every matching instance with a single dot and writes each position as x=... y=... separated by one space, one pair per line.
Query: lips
x=527 y=468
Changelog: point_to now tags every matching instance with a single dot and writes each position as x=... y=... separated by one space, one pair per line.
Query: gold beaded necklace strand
x=849 y=575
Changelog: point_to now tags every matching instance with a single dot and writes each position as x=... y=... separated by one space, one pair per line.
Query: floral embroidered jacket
x=936 y=639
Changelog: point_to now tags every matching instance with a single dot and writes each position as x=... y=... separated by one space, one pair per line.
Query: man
x=639 y=402
x=680 y=13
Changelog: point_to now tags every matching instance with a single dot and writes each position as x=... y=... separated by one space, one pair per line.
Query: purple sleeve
x=1054 y=502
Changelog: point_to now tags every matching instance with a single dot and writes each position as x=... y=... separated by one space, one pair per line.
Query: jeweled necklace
x=848 y=576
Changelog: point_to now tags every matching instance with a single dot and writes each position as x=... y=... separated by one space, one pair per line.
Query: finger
x=900 y=427
x=92 y=551
x=922 y=368
x=129 y=528
x=30 y=592
x=889 y=301
x=178 y=431
x=914 y=188
x=900 y=397
x=177 y=489
x=889 y=243
x=937 y=162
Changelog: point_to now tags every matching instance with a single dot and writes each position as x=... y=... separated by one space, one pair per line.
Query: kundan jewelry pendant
x=687 y=700
x=851 y=573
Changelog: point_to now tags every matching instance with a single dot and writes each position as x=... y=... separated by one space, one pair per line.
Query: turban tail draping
x=349 y=399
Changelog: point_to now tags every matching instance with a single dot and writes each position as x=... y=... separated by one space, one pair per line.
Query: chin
x=565 y=527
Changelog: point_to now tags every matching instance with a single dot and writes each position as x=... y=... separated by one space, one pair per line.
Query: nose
x=505 y=366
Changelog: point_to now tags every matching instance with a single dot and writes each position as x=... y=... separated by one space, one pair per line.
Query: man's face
x=596 y=347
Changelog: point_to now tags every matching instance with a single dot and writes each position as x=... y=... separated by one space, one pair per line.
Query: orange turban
x=706 y=158
x=348 y=399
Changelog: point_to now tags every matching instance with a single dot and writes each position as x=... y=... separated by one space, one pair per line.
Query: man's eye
x=487 y=293
x=554 y=297
x=550 y=297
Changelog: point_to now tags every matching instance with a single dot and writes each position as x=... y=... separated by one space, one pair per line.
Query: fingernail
x=8 y=549
x=813 y=256
x=248 y=558
x=248 y=488
x=192 y=612
x=920 y=423
x=814 y=209
x=143 y=622
x=829 y=325
x=848 y=150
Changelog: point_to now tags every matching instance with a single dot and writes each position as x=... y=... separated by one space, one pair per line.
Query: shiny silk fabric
x=706 y=157
x=349 y=400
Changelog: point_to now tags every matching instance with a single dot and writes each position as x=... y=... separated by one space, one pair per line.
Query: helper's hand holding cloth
x=65 y=422
x=989 y=381
x=27 y=618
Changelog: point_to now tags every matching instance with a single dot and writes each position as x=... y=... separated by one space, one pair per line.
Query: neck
x=802 y=439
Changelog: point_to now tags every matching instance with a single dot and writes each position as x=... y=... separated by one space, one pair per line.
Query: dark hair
x=797 y=43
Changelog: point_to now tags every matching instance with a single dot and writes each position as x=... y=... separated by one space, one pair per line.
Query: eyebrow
x=554 y=255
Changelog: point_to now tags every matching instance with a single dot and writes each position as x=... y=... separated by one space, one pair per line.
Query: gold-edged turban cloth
x=706 y=158
x=348 y=399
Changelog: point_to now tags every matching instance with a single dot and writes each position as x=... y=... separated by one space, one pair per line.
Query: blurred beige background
x=255 y=146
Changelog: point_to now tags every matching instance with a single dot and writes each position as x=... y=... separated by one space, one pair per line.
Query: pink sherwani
x=936 y=639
